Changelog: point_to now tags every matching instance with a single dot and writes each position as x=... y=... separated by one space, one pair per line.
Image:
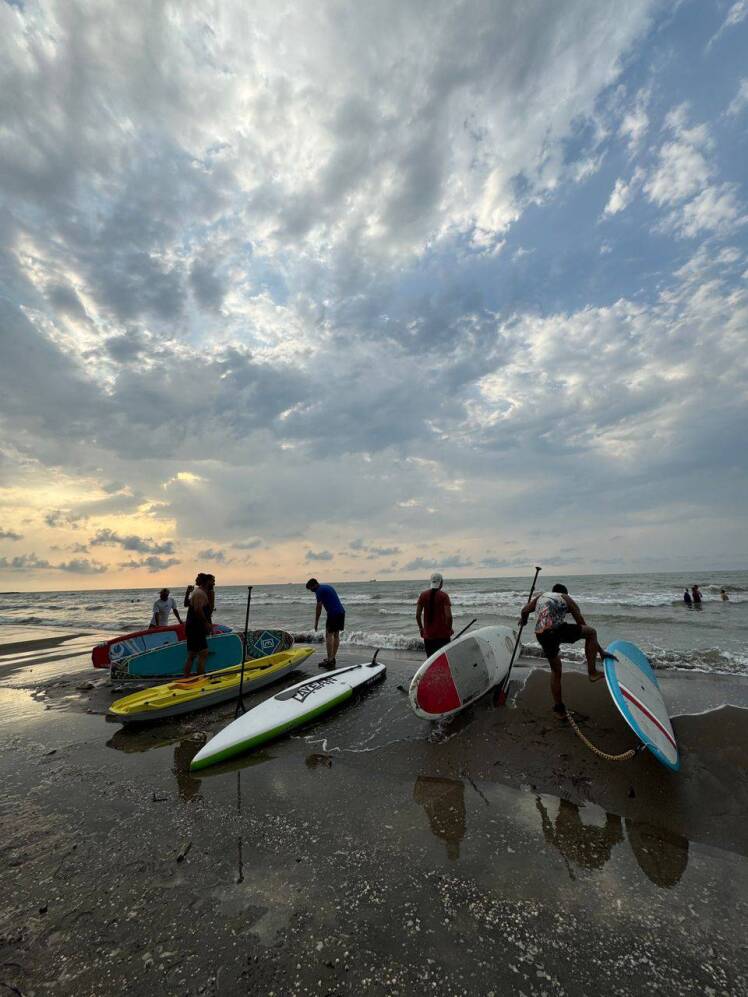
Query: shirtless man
x=198 y=625
x=551 y=631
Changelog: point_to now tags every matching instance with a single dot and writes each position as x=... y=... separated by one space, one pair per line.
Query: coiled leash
x=625 y=756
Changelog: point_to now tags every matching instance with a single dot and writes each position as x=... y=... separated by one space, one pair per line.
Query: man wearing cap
x=434 y=616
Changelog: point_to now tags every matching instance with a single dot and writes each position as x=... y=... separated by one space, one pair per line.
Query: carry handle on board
x=503 y=689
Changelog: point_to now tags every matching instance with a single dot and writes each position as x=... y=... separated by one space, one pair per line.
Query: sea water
x=647 y=609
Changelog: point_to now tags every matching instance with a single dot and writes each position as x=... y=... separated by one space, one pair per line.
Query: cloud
x=10 y=535
x=23 y=562
x=740 y=100
x=737 y=13
x=622 y=193
x=82 y=566
x=252 y=543
x=152 y=563
x=144 y=545
x=211 y=554
x=635 y=123
x=683 y=168
x=32 y=563
x=320 y=555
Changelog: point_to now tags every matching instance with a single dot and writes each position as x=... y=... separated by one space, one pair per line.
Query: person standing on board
x=198 y=625
x=434 y=616
x=335 y=622
x=161 y=609
x=687 y=597
x=552 y=631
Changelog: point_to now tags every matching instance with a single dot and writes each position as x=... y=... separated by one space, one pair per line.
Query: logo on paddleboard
x=306 y=690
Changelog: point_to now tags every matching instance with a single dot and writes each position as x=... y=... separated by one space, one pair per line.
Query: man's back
x=327 y=595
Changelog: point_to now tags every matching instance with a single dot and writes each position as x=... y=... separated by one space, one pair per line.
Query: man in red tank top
x=434 y=616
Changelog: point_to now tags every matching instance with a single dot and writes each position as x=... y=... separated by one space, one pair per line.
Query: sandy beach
x=373 y=852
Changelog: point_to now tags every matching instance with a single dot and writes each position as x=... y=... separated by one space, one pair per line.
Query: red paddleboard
x=140 y=641
x=461 y=672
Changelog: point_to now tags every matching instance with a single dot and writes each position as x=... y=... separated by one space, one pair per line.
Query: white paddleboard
x=633 y=686
x=291 y=708
x=461 y=672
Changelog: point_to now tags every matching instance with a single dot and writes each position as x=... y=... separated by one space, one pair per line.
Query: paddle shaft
x=240 y=702
x=505 y=684
x=465 y=628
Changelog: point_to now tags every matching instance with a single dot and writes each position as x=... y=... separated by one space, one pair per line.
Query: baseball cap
x=436 y=580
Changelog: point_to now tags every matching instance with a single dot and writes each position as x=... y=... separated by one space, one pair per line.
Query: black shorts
x=335 y=623
x=197 y=639
x=433 y=644
x=551 y=640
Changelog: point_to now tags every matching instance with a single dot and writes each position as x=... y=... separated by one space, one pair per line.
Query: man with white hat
x=434 y=616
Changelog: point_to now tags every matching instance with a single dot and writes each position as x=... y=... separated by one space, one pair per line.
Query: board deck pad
x=461 y=672
x=633 y=685
x=261 y=643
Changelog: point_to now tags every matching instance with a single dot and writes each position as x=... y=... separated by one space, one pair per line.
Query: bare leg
x=335 y=645
x=330 y=645
x=201 y=659
x=556 y=668
x=188 y=664
x=591 y=650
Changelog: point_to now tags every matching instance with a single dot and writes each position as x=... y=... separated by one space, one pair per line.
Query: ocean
x=646 y=608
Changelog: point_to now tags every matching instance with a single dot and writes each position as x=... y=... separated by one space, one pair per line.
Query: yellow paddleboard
x=186 y=695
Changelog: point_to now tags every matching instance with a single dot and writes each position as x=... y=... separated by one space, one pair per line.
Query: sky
x=364 y=290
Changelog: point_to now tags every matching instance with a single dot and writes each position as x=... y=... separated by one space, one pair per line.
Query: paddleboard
x=287 y=710
x=224 y=650
x=141 y=641
x=635 y=691
x=261 y=643
x=188 y=695
x=461 y=672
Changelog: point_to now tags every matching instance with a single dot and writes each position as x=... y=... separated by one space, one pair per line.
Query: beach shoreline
x=372 y=853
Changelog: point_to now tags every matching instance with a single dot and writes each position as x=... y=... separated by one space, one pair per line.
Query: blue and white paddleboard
x=633 y=686
x=224 y=651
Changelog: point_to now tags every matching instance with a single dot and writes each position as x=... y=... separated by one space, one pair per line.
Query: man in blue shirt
x=328 y=597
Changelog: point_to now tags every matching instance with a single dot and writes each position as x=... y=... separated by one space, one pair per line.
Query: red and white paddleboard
x=461 y=672
x=140 y=641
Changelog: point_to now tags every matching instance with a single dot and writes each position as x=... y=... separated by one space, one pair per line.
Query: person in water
x=199 y=622
x=434 y=616
x=696 y=595
x=162 y=607
x=335 y=621
x=551 y=631
x=687 y=597
x=724 y=596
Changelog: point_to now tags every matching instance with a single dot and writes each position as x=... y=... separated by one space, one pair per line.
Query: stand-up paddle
x=465 y=628
x=503 y=689
x=240 y=708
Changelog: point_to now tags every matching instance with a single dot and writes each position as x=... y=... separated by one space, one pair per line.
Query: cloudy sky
x=359 y=289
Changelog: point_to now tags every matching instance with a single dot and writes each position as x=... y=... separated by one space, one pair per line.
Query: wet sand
x=372 y=853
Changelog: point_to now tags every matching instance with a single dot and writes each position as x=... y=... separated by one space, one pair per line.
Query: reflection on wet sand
x=586 y=845
x=661 y=854
x=444 y=803
x=184 y=752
